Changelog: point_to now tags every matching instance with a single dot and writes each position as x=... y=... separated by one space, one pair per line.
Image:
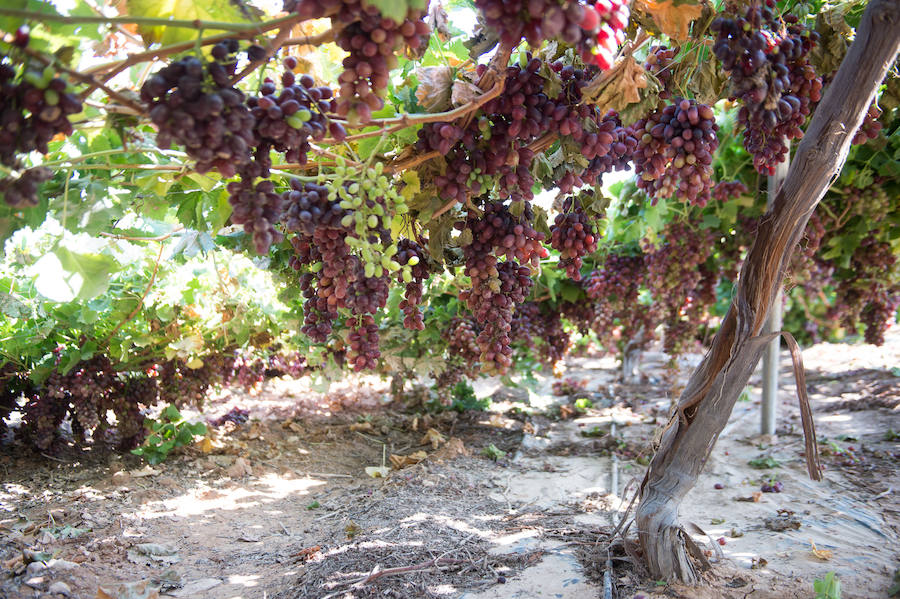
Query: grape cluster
x=728 y=190
x=771 y=77
x=498 y=286
x=413 y=255
x=614 y=289
x=258 y=208
x=492 y=151
x=195 y=105
x=680 y=283
x=573 y=236
x=343 y=242
x=287 y=120
x=659 y=64
x=35 y=106
x=541 y=331
x=595 y=31
x=870 y=127
x=372 y=41
x=868 y=291
x=674 y=151
x=363 y=342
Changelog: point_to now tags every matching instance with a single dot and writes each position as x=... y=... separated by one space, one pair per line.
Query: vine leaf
x=228 y=11
x=64 y=276
x=673 y=18
x=394 y=9
x=433 y=92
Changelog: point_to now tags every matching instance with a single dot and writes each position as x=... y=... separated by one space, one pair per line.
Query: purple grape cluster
x=728 y=190
x=674 y=151
x=868 y=292
x=258 y=208
x=287 y=120
x=34 y=107
x=195 y=105
x=572 y=235
x=372 y=41
x=659 y=64
x=770 y=76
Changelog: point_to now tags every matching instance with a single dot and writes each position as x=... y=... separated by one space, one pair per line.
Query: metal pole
x=772 y=354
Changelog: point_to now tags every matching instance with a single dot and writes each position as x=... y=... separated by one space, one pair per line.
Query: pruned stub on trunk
x=707 y=401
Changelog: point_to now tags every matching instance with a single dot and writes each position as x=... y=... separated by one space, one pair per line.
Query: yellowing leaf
x=223 y=11
x=413 y=185
x=206 y=445
x=672 y=19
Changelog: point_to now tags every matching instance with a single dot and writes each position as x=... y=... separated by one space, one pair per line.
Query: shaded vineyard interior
x=281 y=505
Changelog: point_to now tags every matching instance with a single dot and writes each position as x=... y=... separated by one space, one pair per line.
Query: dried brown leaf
x=672 y=19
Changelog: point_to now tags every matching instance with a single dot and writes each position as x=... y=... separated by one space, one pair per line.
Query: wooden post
x=772 y=354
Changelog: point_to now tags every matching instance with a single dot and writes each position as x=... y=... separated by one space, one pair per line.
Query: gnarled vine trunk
x=706 y=403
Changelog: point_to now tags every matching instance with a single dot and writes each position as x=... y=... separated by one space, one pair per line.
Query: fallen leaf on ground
x=145 y=471
x=378 y=471
x=755 y=498
x=454 y=448
x=433 y=437
x=822 y=554
x=239 y=469
x=497 y=420
x=307 y=553
x=150 y=553
x=402 y=461
x=361 y=426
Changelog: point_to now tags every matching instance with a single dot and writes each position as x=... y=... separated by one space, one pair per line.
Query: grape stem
x=111 y=69
x=129 y=238
x=273 y=47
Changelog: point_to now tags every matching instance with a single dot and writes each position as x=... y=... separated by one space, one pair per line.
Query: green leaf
x=64 y=275
x=227 y=11
x=392 y=9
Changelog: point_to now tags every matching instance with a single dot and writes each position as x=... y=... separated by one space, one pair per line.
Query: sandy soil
x=281 y=507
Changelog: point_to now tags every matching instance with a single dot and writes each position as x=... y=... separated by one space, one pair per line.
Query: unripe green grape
x=353 y=188
x=385 y=261
x=379 y=272
x=413 y=260
x=393 y=266
x=303 y=114
x=347 y=220
x=316 y=267
x=407 y=276
x=51 y=97
x=360 y=229
x=378 y=210
x=383 y=182
x=373 y=221
x=294 y=121
x=346 y=204
x=357 y=201
x=390 y=250
x=369 y=269
x=401 y=209
x=379 y=168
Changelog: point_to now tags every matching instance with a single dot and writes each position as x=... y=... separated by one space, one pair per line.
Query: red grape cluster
x=611 y=21
x=412 y=254
x=659 y=64
x=498 y=286
x=573 y=236
x=868 y=291
x=34 y=107
x=771 y=76
x=363 y=341
x=614 y=289
x=372 y=41
x=870 y=127
x=196 y=106
x=728 y=190
x=675 y=271
x=541 y=331
x=674 y=151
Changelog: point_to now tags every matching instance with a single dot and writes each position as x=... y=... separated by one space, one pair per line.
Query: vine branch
x=149 y=21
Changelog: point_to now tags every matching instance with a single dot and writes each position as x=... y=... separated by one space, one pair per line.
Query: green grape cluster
x=371 y=203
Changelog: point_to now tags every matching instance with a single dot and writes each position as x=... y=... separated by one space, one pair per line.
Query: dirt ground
x=282 y=507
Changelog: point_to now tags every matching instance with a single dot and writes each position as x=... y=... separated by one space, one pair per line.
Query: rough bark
x=707 y=401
